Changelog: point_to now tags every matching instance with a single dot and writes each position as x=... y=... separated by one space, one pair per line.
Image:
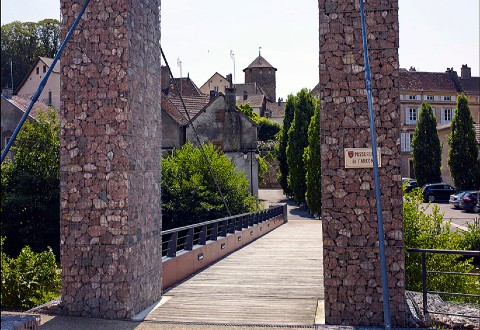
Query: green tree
x=189 y=193
x=283 y=141
x=312 y=159
x=427 y=150
x=30 y=192
x=247 y=109
x=267 y=129
x=297 y=142
x=463 y=154
x=429 y=231
x=22 y=43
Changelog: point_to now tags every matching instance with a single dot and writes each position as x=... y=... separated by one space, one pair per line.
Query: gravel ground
x=437 y=304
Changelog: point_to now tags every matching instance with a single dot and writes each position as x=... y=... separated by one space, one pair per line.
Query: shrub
x=29 y=280
x=189 y=192
x=429 y=231
x=268 y=129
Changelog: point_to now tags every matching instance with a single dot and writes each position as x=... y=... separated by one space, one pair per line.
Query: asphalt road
x=459 y=218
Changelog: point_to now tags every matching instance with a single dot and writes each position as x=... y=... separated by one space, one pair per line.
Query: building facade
x=440 y=90
x=51 y=92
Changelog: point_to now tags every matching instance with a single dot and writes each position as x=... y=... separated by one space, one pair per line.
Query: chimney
x=279 y=101
x=466 y=72
x=412 y=69
x=245 y=95
x=165 y=79
x=230 y=99
x=7 y=93
x=229 y=79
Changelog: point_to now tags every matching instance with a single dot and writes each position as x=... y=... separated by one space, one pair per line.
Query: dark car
x=455 y=199
x=412 y=184
x=469 y=201
x=437 y=192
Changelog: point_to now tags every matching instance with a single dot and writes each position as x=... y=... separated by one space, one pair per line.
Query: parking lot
x=459 y=218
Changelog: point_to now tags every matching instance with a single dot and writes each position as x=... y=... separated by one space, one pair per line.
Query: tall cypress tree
x=463 y=153
x=427 y=157
x=297 y=142
x=312 y=159
x=282 y=149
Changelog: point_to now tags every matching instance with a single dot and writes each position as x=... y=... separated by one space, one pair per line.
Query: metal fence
x=425 y=272
x=185 y=238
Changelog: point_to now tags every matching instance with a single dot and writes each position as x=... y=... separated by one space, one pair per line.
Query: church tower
x=262 y=73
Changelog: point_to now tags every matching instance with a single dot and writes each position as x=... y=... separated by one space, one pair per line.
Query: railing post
x=202 y=240
x=224 y=228
x=285 y=213
x=424 y=286
x=238 y=223
x=214 y=232
x=231 y=226
x=172 y=245
x=189 y=240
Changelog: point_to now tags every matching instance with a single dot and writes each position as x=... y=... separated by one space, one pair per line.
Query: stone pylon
x=353 y=289
x=110 y=158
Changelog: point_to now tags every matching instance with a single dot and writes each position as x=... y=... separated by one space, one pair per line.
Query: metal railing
x=185 y=238
x=425 y=291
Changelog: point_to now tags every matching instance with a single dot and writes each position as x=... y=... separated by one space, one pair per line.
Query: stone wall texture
x=353 y=292
x=110 y=158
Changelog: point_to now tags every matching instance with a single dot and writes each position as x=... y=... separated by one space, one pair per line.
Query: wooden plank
x=276 y=280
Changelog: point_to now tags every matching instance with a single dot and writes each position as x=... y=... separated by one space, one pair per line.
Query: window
x=49 y=98
x=38 y=70
x=44 y=68
x=446 y=116
x=411 y=116
x=406 y=140
x=215 y=88
x=429 y=98
x=413 y=97
x=447 y=98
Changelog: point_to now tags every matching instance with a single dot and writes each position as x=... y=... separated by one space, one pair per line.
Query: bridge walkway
x=275 y=280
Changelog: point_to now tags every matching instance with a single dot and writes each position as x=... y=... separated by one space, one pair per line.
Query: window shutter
x=424 y=97
x=442 y=116
x=402 y=141
x=435 y=98
x=407 y=116
x=453 y=98
x=402 y=97
x=418 y=98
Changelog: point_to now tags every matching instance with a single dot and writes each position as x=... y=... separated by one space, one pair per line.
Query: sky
x=434 y=35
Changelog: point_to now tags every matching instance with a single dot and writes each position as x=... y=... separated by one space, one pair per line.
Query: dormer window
x=38 y=70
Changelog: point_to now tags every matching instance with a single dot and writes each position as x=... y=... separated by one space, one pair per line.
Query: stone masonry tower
x=353 y=290
x=263 y=73
x=110 y=159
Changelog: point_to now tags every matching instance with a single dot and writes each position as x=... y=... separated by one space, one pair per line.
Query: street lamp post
x=250 y=151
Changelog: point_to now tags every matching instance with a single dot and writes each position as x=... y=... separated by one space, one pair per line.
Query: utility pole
x=232 y=56
x=179 y=64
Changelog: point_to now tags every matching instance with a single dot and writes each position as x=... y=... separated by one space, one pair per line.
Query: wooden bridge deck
x=276 y=280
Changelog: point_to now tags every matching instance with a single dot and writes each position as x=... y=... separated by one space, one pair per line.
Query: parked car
x=469 y=201
x=476 y=208
x=412 y=184
x=437 y=192
x=455 y=199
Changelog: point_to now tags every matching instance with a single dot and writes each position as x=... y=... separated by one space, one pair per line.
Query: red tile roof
x=194 y=104
x=23 y=103
x=172 y=110
x=186 y=85
x=426 y=81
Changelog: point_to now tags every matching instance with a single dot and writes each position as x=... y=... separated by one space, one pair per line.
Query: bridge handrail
x=228 y=226
x=468 y=253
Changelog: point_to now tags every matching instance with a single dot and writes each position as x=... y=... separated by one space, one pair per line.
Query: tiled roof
x=186 y=85
x=277 y=110
x=259 y=62
x=426 y=81
x=471 y=85
x=172 y=110
x=194 y=104
x=256 y=101
x=250 y=88
x=23 y=103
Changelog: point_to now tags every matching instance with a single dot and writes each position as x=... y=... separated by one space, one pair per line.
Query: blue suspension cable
x=40 y=88
x=381 y=236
